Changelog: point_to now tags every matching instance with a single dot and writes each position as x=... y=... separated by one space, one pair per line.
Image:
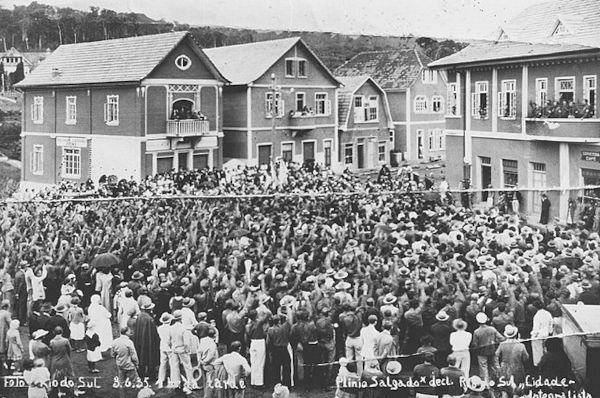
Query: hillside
x=40 y=27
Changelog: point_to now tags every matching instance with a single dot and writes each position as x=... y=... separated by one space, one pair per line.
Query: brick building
x=416 y=96
x=278 y=104
x=126 y=107
x=504 y=130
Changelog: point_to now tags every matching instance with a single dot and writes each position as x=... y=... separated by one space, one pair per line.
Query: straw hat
x=342 y=285
x=442 y=316
x=280 y=391
x=389 y=299
x=481 y=317
x=510 y=331
x=393 y=367
x=38 y=334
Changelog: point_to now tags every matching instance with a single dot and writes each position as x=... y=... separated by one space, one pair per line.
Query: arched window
x=420 y=104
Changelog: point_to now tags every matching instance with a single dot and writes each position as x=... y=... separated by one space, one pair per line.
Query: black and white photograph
x=299 y=199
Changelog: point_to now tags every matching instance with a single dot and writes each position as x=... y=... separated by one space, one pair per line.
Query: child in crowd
x=37 y=377
x=76 y=317
x=14 y=353
x=92 y=341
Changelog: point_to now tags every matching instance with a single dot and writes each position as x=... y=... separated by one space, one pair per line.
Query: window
x=302 y=68
x=276 y=109
x=541 y=91
x=287 y=151
x=322 y=104
x=564 y=89
x=442 y=140
x=479 y=101
x=300 y=102
x=37 y=160
x=359 y=109
x=452 y=100
x=289 y=68
x=589 y=92
x=348 y=154
x=37 y=110
x=327 y=150
x=420 y=104
x=71 y=108
x=183 y=62
x=538 y=180
x=71 y=163
x=430 y=140
x=510 y=173
x=437 y=103
x=420 y=143
x=507 y=106
x=429 y=76
x=372 y=112
x=392 y=137
x=381 y=150
x=111 y=110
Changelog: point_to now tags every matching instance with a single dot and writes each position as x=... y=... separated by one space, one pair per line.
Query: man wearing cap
x=126 y=357
x=485 y=339
x=147 y=342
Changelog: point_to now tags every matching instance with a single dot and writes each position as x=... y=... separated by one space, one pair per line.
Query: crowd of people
x=290 y=290
x=562 y=109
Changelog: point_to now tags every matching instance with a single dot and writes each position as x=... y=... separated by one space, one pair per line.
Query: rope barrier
x=290 y=195
x=561 y=336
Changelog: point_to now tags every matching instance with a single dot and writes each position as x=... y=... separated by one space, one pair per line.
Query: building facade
x=278 y=104
x=153 y=104
x=416 y=96
x=13 y=57
x=522 y=111
x=365 y=126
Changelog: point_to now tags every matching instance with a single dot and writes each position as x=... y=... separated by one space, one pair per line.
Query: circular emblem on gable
x=183 y=62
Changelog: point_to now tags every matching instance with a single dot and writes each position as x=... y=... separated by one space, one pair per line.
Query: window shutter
x=106 y=112
x=513 y=104
x=474 y=107
x=501 y=104
x=116 y=110
x=281 y=108
x=356 y=114
x=328 y=107
x=32 y=112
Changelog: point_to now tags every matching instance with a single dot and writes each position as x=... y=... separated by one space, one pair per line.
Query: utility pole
x=273 y=89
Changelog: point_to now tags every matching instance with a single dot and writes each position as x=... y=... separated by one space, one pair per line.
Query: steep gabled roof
x=243 y=64
x=505 y=51
x=394 y=69
x=535 y=24
x=109 y=61
x=346 y=93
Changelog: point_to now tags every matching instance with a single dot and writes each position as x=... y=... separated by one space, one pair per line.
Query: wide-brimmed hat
x=352 y=243
x=510 y=331
x=459 y=324
x=404 y=271
x=330 y=272
x=177 y=315
x=311 y=279
x=389 y=299
x=340 y=275
x=396 y=250
x=148 y=305
x=280 y=391
x=60 y=308
x=165 y=318
x=442 y=316
x=481 y=317
x=188 y=302
x=38 y=334
x=137 y=275
x=393 y=367
x=287 y=300
x=342 y=285
x=586 y=285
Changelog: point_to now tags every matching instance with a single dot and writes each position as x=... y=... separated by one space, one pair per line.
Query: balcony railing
x=302 y=121
x=568 y=129
x=187 y=127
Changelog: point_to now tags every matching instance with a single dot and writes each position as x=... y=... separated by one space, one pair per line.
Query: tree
x=18 y=74
x=2 y=77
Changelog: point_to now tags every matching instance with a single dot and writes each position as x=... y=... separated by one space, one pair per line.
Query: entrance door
x=538 y=180
x=264 y=154
x=308 y=151
x=182 y=158
x=200 y=161
x=360 y=155
x=486 y=180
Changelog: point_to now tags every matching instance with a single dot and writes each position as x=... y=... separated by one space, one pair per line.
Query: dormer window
x=183 y=62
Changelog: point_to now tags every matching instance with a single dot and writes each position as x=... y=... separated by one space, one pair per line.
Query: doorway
x=486 y=176
x=308 y=151
x=360 y=155
x=182 y=158
x=264 y=154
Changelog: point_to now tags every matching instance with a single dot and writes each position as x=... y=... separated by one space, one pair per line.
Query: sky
x=467 y=19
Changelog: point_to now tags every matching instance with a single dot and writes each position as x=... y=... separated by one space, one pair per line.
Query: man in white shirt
x=369 y=337
x=37 y=283
x=237 y=368
x=542 y=327
x=207 y=353
x=460 y=340
x=165 y=349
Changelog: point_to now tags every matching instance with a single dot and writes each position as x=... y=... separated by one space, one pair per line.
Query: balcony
x=187 y=128
x=302 y=121
x=564 y=129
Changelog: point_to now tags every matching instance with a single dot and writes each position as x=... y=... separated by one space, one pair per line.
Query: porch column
x=563 y=166
x=190 y=160
x=154 y=163
x=176 y=160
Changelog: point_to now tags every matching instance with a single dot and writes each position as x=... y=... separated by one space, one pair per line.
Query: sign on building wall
x=73 y=142
x=157 y=145
x=590 y=156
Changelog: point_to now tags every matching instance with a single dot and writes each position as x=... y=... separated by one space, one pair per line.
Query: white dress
x=101 y=317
